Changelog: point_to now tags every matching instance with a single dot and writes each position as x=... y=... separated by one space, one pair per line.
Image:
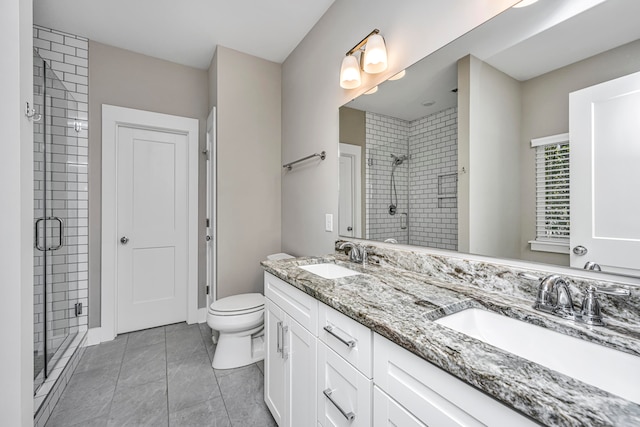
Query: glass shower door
x=55 y=214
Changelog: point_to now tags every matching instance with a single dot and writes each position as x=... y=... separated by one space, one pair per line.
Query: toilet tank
x=281 y=255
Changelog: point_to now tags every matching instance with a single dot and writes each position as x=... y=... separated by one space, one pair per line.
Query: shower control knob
x=124 y=240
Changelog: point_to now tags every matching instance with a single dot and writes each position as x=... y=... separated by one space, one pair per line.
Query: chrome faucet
x=554 y=297
x=358 y=253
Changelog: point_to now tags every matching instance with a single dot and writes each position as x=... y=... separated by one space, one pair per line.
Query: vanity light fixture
x=373 y=60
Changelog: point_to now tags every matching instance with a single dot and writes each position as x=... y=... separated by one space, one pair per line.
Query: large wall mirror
x=520 y=140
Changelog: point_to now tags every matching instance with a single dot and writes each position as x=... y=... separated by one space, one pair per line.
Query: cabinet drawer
x=344 y=394
x=435 y=397
x=348 y=338
x=388 y=413
x=300 y=306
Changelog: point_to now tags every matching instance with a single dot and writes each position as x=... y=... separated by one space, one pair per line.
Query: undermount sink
x=605 y=368
x=329 y=270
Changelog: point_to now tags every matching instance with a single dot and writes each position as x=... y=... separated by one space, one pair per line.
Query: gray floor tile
x=142 y=405
x=184 y=343
x=145 y=337
x=208 y=413
x=161 y=376
x=191 y=381
x=143 y=365
x=107 y=353
x=88 y=395
x=243 y=394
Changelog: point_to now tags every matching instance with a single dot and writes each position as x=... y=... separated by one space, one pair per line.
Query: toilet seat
x=238 y=305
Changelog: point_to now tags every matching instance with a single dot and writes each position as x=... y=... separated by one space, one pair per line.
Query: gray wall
x=127 y=79
x=311 y=95
x=246 y=91
x=545 y=111
x=488 y=133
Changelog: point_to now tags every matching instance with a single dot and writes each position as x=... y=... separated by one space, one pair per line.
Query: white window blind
x=552 y=194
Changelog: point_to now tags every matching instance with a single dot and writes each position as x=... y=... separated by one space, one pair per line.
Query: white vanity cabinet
x=433 y=396
x=290 y=353
x=324 y=369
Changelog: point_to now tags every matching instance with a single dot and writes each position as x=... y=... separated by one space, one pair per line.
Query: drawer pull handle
x=348 y=415
x=279 y=337
x=350 y=343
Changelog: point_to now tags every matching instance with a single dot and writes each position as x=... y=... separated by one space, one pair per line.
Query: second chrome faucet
x=554 y=297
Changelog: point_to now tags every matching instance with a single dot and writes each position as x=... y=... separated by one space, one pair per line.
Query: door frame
x=112 y=118
x=211 y=207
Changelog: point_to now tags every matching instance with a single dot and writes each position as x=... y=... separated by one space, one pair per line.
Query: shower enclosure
x=56 y=206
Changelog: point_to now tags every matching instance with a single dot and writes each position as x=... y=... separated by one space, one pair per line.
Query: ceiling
x=187 y=31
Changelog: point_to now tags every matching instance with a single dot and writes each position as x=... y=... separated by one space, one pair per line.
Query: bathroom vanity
x=368 y=349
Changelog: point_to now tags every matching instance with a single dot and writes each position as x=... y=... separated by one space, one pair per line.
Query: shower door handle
x=61 y=233
x=38 y=247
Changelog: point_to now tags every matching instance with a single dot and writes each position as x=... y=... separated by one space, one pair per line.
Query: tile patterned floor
x=161 y=377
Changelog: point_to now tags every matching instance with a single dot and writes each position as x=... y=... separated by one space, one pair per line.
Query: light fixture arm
x=362 y=42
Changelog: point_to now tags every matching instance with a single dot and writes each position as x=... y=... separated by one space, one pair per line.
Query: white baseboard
x=94 y=336
x=202 y=315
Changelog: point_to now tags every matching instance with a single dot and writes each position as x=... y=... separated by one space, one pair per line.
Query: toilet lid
x=238 y=303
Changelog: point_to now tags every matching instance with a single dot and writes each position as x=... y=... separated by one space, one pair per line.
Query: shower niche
x=59 y=225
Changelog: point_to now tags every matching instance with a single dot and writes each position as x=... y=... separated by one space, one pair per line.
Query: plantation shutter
x=552 y=194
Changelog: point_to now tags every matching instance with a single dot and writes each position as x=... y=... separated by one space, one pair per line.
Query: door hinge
x=207 y=289
x=208 y=222
x=78 y=309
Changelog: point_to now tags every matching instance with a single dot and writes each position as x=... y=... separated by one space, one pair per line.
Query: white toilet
x=239 y=319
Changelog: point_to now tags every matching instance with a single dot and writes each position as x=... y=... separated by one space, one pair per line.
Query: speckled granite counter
x=400 y=293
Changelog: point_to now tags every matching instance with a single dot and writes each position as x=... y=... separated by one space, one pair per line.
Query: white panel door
x=349 y=214
x=605 y=154
x=152 y=228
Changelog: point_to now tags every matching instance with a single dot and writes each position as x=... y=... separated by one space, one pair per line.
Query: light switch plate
x=328 y=222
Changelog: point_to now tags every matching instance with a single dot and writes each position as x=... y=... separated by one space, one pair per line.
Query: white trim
x=202 y=315
x=556 y=247
x=94 y=336
x=560 y=138
x=211 y=185
x=112 y=118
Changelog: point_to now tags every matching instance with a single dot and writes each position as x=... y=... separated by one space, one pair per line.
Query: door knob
x=207 y=238
x=349 y=228
x=124 y=240
x=580 y=250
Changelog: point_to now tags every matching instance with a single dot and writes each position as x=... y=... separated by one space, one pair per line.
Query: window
x=552 y=194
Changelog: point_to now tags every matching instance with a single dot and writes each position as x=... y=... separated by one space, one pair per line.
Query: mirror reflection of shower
x=393 y=193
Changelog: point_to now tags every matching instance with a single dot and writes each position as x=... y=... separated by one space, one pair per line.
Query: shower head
x=397 y=160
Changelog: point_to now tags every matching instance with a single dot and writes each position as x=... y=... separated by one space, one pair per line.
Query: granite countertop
x=401 y=305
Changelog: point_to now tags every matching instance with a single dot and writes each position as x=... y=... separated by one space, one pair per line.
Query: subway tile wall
x=426 y=185
x=433 y=144
x=386 y=136
x=67 y=188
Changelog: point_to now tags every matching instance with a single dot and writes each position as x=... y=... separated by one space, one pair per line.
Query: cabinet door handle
x=285 y=354
x=350 y=416
x=349 y=343
x=279 y=337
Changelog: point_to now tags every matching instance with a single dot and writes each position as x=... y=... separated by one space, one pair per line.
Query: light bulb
x=375 y=55
x=350 y=73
